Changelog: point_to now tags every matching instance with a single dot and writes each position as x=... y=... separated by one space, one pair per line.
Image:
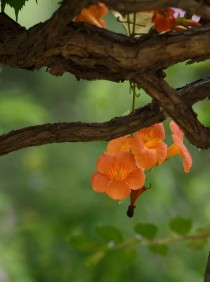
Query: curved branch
x=106 y=55
x=76 y=131
x=177 y=108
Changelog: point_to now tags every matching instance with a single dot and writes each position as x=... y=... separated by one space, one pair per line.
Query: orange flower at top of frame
x=164 y=19
x=148 y=147
x=117 y=175
x=93 y=15
x=178 y=148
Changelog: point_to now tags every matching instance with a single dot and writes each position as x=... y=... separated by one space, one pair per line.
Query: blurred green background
x=53 y=227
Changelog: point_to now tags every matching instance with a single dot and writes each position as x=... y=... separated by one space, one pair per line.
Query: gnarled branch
x=76 y=131
x=61 y=45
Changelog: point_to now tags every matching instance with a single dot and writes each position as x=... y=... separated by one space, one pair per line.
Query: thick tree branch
x=84 y=132
x=106 y=55
x=177 y=108
x=88 y=52
x=79 y=132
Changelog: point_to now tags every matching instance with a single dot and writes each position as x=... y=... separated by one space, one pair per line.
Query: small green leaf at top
x=109 y=233
x=180 y=225
x=159 y=249
x=17 y=5
x=147 y=230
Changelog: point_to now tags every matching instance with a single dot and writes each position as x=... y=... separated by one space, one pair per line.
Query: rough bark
x=60 y=45
x=85 y=132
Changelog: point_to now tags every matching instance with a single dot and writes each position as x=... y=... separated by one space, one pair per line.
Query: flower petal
x=116 y=166
x=173 y=150
x=155 y=131
x=176 y=130
x=126 y=161
x=118 y=190
x=93 y=15
x=135 y=179
x=105 y=163
x=117 y=145
x=99 y=10
x=161 y=151
x=184 y=153
x=145 y=158
x=99 y=182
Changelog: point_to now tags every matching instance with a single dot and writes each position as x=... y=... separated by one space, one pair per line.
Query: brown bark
x=85 y=132
x=61 y=45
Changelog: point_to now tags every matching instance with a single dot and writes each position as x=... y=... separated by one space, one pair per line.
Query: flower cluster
x=121 y=168
x=164 y=20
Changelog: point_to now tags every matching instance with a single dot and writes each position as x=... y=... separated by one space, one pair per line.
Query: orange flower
x=178 y=148
x=93 y=15
x=148 y=147
x=117 y=175
x=164 y=19
x=117 y=145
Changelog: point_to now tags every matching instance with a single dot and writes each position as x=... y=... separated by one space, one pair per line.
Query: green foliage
x=83 y=243
x=109 y=234
x=180 y=225
x=19 y=109
x=147 y=230
x=17 y=5
x=159 y=249
x=46 y=197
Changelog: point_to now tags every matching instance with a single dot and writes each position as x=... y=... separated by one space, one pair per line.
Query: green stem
x=134 y=98
x=168 y=240
x=134 y=24
x=129 y=27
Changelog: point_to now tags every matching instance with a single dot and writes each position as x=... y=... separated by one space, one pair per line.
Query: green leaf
x=109 y=233
x=159 y=249
x=17 y=5
x=83 y=243
x=147 y=230
x=180 y=225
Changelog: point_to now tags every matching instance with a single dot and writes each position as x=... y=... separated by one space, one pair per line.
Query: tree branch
x=177 y=108
x=106 y=55
x=77 y=132
x=88 y=52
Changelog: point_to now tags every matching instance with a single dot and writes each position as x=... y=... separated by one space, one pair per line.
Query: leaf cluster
x=110 y=239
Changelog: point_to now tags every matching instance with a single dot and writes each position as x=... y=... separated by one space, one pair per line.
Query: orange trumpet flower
x=164 y=19
x=148 y=147
x=93 y=15
x=178 y=147
x=117 y=175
